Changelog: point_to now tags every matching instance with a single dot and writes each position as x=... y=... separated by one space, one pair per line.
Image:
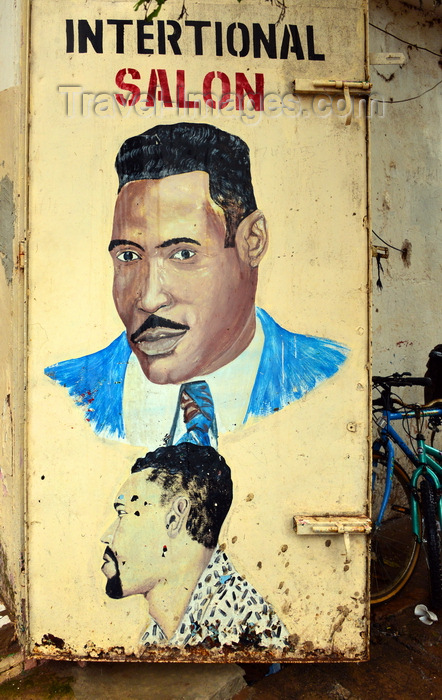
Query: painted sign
x=198 y=330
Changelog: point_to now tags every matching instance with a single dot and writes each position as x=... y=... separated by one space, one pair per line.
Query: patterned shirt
x=223 y=609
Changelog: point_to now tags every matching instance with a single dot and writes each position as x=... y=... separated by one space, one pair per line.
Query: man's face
x=187 y=302
x=135 y=559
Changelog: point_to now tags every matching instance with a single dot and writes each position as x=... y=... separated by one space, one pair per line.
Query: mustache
x=110 y=553
x=154 y=321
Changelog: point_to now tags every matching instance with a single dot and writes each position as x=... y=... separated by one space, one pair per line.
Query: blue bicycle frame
x=425 y=464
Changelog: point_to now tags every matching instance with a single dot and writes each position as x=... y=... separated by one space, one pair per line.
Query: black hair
x=203 y=475
x=174 y=149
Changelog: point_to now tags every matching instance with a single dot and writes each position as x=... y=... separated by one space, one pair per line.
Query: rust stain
x=52 y=640
x=248 y=649
x=6 y=585
x=406 y=253
x=384 y=77
x=344 y=612
x=294 y=640
x=286 y=607
x=237 y=653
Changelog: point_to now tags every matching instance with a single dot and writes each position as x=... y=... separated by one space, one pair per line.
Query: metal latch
x=355 y=87
x=333 y=525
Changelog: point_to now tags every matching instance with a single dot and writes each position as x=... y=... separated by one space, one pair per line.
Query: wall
x=405 y=169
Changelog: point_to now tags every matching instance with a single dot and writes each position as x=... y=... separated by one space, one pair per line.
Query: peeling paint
x=244 y=651
x=50 y=639
x=237 y=653
x=7 y=219
x=6 y=586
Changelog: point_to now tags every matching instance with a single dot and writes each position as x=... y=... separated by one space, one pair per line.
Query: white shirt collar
x=149 y=409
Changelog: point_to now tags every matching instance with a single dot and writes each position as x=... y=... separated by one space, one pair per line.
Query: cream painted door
x=227 y=325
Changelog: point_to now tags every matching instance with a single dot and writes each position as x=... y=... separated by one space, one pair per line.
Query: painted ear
x=252 y=238
x=176 y=518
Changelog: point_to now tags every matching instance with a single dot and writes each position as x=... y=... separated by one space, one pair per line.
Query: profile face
x=187 y=302
x=133 y=559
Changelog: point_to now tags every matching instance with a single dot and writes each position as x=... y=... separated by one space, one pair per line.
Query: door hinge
x=21 y=255
x=379 y=251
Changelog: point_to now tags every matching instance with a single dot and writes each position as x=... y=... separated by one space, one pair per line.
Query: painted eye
x=185 y=254
x=128 y=256
x=120 y=513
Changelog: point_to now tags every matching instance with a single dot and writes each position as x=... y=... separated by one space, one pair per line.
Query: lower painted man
x=163 y=545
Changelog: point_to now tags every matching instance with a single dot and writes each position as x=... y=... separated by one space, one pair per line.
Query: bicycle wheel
x=394 y=548
x=431 y=539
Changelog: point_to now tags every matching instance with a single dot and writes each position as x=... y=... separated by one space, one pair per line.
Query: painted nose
x=152 y=294
x=108 y=536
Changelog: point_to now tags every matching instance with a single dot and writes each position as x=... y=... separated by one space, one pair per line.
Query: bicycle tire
x=431 y=539
x=394 y=548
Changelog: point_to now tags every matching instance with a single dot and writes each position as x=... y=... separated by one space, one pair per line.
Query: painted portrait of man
x=163 y=545
x=186 y=245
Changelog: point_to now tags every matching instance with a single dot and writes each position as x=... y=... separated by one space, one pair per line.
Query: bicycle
x=399 y=499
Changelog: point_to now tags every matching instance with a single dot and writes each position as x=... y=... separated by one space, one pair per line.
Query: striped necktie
x=198 y=412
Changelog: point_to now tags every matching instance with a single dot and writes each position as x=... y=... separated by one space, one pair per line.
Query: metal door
x=225 y=333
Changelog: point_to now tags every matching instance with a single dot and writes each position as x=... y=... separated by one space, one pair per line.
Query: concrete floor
x=406 y=663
